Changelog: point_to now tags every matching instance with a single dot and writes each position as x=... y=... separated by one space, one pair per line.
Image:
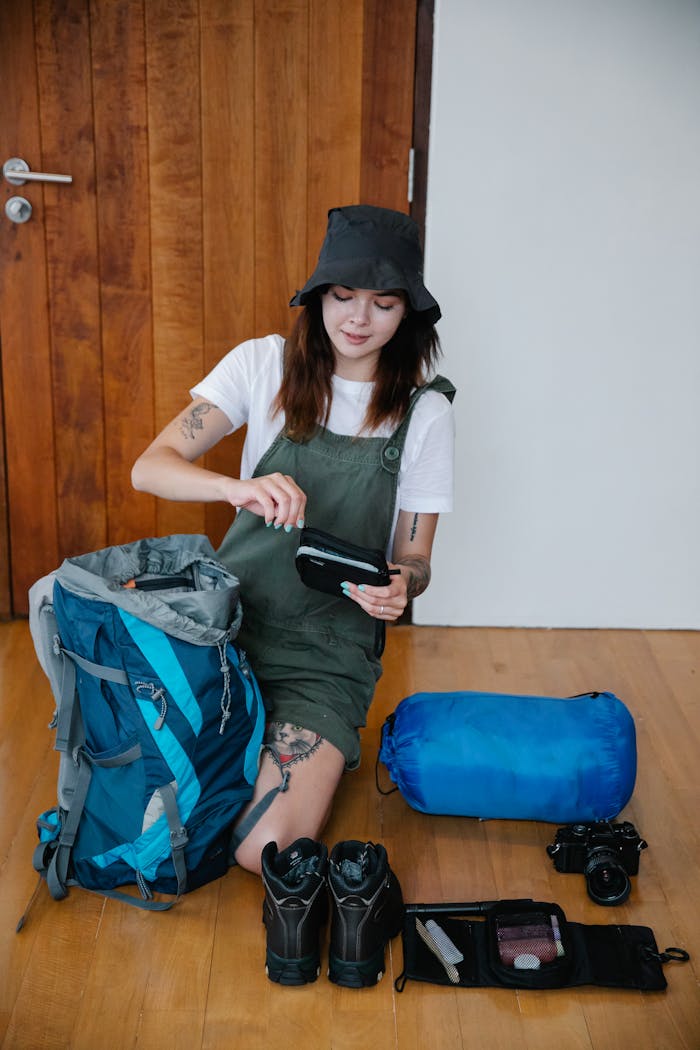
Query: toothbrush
x=426 y=937
x=450 y=951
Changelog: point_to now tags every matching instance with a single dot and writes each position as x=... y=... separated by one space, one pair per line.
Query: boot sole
x=292 y=971
x=360 y=974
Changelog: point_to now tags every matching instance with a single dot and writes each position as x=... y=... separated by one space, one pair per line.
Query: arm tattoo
x=418 y=575
x=194 y=421
x=414 y=527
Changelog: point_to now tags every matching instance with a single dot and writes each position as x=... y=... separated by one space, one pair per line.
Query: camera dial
x=607 y=881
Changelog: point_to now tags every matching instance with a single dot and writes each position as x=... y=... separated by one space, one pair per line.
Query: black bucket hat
x=369 y=247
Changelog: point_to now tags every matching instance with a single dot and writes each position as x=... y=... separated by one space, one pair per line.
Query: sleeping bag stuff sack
x=514 y=757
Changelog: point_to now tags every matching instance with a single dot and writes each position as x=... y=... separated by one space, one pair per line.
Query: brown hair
x=306 y=393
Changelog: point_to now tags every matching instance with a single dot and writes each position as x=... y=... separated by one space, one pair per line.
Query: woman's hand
x=275 y=497
x=383 y=603
x=413 y=544
x=168 y=469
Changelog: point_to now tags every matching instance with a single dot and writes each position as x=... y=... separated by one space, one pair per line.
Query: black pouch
x=324 y=561
x=526 y=944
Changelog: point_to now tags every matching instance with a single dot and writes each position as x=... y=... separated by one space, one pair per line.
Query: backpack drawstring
x=226 y=695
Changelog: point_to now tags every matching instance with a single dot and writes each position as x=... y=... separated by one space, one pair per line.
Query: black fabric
x=324 y=562
x=574 y=954
x=370 y=247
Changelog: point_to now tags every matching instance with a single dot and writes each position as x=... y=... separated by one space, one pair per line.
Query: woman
x=343 y=434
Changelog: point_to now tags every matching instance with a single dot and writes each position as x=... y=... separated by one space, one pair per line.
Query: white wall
x=563 y=243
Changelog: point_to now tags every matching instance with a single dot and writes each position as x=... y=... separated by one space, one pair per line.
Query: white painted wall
x=563 y=243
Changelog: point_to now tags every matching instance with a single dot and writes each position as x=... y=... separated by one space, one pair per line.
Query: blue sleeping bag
x=515 y=757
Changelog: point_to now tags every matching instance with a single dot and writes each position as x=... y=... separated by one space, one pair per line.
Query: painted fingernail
x=278 y=525
x=267 y=524
x=300 y=523
x=287 y=528
x=361 y=588
x=345 y=587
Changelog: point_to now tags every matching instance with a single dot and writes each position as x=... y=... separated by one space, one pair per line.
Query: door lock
x=18 y=209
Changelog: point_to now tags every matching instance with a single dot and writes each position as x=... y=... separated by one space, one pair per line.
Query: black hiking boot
x=367 y=911
x=294 y=910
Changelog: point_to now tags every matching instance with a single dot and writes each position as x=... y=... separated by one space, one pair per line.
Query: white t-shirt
x=246 y=381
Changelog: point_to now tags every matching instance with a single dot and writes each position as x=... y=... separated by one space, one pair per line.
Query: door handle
x=17 y=172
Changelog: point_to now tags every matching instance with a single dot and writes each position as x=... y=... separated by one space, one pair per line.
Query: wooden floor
x=90 y=974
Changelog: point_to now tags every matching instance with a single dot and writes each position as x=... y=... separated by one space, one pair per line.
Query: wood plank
x=69 y=932
x=281 y=152
x=25 y=737
x=5 y=589
x=228 y=178
x=175 y=188
x=34 y=961
x=228 y=174
x=65 y=96
x=335 y=114
x=159 y=994
x=28 y=403
x=121 y=147
x=387 y=110
x=237 y=946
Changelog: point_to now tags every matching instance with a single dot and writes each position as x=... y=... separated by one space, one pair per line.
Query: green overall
x=314 y=654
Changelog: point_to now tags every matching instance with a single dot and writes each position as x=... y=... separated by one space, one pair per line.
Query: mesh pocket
x=529 y=949
x=528 y=942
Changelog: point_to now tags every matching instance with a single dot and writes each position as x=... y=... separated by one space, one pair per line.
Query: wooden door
x=206 y=140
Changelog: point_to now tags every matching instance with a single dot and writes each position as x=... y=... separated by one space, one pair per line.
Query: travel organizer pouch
x=325 y=561
x=526 y=944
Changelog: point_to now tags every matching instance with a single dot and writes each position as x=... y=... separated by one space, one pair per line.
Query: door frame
x=423 y=78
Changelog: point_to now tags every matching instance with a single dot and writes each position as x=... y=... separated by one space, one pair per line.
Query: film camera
x=605 y=852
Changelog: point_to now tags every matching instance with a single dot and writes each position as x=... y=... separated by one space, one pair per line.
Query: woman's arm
x=413 y=545
x=168 y=469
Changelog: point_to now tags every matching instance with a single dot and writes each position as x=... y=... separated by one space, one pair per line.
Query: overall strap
x=394 y=445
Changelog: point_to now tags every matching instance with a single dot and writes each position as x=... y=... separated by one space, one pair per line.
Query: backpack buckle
x=178 y=838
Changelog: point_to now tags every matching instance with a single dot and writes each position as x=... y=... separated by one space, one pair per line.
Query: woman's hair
x=305 y=395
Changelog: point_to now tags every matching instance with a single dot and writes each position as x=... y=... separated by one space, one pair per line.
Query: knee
x=283 y=832
x=248 y=855
x=249 y=851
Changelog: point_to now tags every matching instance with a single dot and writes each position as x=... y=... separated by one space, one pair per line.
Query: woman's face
x=359 y=322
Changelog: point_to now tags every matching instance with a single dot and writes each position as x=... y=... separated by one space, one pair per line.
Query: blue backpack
x=159 y=719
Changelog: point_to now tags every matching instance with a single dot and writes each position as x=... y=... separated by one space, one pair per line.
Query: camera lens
x=607 y=882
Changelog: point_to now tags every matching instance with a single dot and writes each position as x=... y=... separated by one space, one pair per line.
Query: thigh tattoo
x=288 y=743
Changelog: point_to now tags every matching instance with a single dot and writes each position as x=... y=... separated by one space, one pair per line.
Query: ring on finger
x=381 y=610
